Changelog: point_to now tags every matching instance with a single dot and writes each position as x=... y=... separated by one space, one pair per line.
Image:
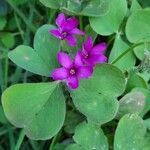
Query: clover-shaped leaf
x=130 y=133
x=137 y=28
x=134 y=81
x=75 y=147
x=132 y=102
x=146 y=93
x=142 y=50
x=42 y=59
x=96 y=97
x=119 y=47
x=52 y=3
x=90 y=137
x=93 y=8
x=38 y=108
x=110 y=22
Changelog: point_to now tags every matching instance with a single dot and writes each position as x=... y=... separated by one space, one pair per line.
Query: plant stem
x=20 y=140
x=52 y=15
x=52 y=143
x=54 y=140
x=21 y=15
x=124 y=53
x=6 y=72
x=19 y=26
x=81 y=22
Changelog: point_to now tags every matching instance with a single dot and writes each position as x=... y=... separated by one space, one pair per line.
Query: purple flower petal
x=73 y=82
x=70 y=24
x=60 y=74
x=97 y=59
x=99 y=49
x=85 y=72
x=88 y=44
x=56 y=33
x=64 y=60
x=78 y=59
x=77 y=31
x=71 y=40
x=60 y=19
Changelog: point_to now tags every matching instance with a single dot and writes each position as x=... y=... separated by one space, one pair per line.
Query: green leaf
x=75 y=147
x=72 y=119
x=52 y=3
x=27 y=58
x=46 y=45
x=111 y=21
x=132 y=102
x=59 y=146
x=145 y=3
x=96 y=97
x=130 y=133
x=18 y=2
x=42 y=59
x=141 y=50
x=138 y=19
x=93 y=8
x=8 y=40
x=3 y=22
x=135 y=6
x=146 y=93
x=118 y=48
x=90 y=137
x=134 y=81
x=38 y=108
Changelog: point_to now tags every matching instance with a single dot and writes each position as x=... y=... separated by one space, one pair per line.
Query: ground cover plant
x=75 y=75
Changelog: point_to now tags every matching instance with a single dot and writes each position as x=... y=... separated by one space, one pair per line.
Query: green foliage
x=134 y=80
x=82 y=7
x=86 y=7
x=42 y=59
x=118 y=48
x=3 y=22
x=96 y=100
x=146 y=93
x=130 y=133
x=132 y=102
x=74 y=147
x=90 y=136
x=8 y=40
x=38 y=108
x=142 y=50
x=137 y=28
x=110 y=110
x=111 y=21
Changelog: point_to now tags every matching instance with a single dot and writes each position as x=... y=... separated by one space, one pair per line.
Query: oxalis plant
x=95 y=66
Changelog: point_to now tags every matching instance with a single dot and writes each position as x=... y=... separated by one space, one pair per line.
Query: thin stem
x=54 y=140
x=18 y=26
x=11 y=139
x=6 y=72
x=124 y=53
x=52 y=15
x=20 y=140
x=52 y=143
x=81 y=22
x=110 y=40
x=21 y=15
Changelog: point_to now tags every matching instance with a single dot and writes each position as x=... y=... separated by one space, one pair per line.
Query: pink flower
x=67 y=29
x=91 y=55
x=71 y=71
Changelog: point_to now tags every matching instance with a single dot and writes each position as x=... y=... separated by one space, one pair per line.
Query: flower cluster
x=83 y=64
